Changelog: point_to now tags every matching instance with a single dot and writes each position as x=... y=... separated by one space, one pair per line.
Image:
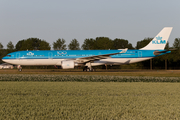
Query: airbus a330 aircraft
x=68 y=59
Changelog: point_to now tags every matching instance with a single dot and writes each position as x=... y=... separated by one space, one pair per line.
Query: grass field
x=29 y=99
x=89 y=100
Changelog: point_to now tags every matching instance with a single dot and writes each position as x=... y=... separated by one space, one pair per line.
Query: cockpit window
x=8 y=56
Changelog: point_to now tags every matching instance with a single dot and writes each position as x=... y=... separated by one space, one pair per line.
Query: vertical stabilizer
x=159 y=42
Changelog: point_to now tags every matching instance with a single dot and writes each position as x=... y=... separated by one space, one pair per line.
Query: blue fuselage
x=53 y=57
x=73 y=54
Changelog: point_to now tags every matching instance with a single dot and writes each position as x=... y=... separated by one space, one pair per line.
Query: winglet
x=123 y=50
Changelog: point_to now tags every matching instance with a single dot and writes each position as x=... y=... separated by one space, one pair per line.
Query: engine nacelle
x=67 y=64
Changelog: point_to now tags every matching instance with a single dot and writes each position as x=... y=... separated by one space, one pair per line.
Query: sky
x=49 y=20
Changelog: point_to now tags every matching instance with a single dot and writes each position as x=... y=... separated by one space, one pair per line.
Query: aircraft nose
x=4 y=59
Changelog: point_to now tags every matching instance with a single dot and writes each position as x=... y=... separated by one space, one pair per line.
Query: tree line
x=60 y=44
x=172 y=60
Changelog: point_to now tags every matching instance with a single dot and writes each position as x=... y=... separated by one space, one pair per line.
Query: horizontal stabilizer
x=159 y=52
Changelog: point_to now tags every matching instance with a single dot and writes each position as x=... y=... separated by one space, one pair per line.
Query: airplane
x=68 y=59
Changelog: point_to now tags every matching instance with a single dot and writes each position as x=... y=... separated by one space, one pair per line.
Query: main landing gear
x=87 y=69
x=19 y=68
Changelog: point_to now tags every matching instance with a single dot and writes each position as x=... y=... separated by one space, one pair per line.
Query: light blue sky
x=52 y=19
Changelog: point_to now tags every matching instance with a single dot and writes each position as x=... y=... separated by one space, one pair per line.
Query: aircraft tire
x=88 y=70
x=92 y=70
x=84 y=69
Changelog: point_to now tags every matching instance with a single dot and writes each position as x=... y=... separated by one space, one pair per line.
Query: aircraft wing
x=103 y=56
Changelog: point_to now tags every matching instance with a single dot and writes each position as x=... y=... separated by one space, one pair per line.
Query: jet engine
x=69 y=64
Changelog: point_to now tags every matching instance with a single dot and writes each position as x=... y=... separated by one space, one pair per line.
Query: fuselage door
x=17 y=55
x=139 y=53
x=50 y=55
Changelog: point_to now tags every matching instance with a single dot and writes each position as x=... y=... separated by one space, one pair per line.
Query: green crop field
x=89 y=100
x=51 y=94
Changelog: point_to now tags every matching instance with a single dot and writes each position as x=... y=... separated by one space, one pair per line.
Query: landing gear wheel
x=84 y=69
x=88 y=70
x=20 y=70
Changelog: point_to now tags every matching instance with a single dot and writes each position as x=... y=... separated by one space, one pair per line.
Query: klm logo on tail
x=159 y=41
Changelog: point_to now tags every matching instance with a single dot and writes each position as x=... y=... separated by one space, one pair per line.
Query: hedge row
x=85 y=78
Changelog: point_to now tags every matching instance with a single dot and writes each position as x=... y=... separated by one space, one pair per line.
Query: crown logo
x=159 y=41
x=30 y=53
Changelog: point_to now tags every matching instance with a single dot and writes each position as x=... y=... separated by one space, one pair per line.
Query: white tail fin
x=160 y=41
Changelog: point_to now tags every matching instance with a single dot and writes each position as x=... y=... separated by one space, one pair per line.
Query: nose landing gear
x=19 y=68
